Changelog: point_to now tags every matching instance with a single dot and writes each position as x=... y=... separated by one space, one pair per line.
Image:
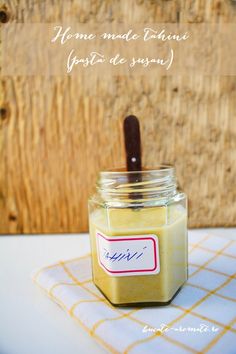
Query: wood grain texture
x=56 y=134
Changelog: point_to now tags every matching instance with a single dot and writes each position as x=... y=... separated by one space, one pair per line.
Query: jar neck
x=120 y=185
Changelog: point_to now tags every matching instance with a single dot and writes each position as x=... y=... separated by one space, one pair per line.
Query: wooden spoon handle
x=132 y=143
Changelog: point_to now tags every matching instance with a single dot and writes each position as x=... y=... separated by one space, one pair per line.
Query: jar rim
x=146 y=170
x=133 y=186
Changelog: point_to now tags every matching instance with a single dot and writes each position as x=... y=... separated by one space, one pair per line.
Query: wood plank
x=55 y=135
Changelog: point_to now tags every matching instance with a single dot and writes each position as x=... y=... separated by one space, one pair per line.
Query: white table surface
x=30 y=323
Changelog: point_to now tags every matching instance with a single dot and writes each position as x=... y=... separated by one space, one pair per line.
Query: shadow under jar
x=138 y=235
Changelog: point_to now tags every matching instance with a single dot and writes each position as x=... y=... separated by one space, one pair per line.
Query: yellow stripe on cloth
x=217 y=254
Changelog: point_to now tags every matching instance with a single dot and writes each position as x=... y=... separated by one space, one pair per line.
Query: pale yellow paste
x=170 y=225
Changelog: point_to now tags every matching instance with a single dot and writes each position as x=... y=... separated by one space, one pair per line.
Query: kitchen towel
x=200 y=319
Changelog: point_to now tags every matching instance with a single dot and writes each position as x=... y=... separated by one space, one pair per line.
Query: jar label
x=128 y=255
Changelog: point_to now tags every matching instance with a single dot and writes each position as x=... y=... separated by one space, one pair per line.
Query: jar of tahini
x=138 y=234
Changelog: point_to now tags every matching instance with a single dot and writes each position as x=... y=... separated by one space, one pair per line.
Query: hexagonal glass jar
x=138 y=235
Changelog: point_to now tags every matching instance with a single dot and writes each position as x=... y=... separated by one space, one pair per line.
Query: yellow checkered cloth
x=201 y=318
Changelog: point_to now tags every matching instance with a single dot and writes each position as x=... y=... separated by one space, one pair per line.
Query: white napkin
x=200 y=319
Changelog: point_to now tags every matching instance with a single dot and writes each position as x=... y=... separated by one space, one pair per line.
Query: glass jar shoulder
x=137 y=218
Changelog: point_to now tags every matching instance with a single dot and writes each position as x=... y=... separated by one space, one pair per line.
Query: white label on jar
x=128 y=255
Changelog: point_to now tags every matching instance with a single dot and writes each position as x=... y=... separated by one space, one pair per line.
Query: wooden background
x=56 y=134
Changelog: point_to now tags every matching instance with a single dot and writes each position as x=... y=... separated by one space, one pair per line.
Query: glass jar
x=138 y=235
